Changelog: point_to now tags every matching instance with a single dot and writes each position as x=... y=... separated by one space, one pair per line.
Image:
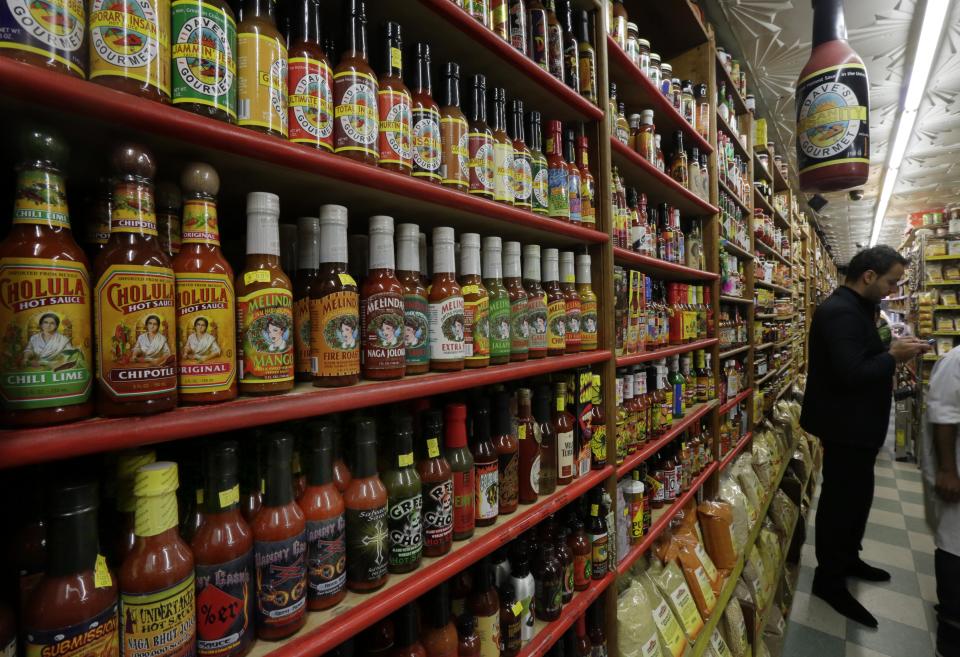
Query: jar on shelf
x=653 y=70
x=633 y=43
x=751 y=103
x=643 y=55
x=666 y=78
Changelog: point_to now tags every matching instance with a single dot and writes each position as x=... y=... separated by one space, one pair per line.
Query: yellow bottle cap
x=156 y=479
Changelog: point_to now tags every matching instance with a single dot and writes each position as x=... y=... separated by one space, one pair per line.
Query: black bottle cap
x=278 y=489
x=73 y=498
x=365 y=439
x=318 y=448
x=405 y=627
x=222 y=472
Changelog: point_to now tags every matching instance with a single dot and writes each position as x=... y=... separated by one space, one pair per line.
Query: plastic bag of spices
x=716 y=521
x=743 y=470
x=783 y=512
x=671 y=548
x=673 y=641
x=735 y=629
x=731 y=493
x=672 y=584
x=718 y=646
x=637 y=634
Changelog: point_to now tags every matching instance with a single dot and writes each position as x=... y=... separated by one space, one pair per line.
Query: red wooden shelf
x=736 y=400
x=552 y=632
x=661 y=268
x=663 y=520
x=24 y=446
x=646 y=356
x=658 y=186
x=732 y=454
x=651 y=448
x=733 y=352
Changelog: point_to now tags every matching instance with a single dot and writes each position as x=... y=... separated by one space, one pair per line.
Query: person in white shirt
x=152 y=344
x=201 y=345
x=940 y=463
x=47 y=344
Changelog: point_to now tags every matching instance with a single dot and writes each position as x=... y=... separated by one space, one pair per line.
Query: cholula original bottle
x=416 y=338
x=476 y=303
x=381 y=307
x=536 y=301
x=446 y=311
x=499 y=301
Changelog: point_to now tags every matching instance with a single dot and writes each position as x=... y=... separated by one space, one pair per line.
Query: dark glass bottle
x=599 y=537
x=404 y=501
x=548 y=583
x=366 y=500
x=486 y=474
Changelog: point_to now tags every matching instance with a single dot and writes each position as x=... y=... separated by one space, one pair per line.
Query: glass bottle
x=548 y=583
x=437 y=489
x=579 y=544
x=522 y=162
x=524 y=588
x=538 y=39
x=587 y=58
x=394 y=141
x=483 y=604
x=498 y=301
x=573 y=179
x=546 y=436
x=416 y=325
x=588 y=304
x=503 y=153
x=556 y=304
x=446 y=307
x=355 y=87
x=588 y=211
x=308 y=263
x=476 y=304
x=518 y=25
x=536 y=302
x=480 y=142
x=519 y=314
x=563 y=429
x=558 y=184
x=427 y=145
x=454 y=134
x=555 y=59
x=507 y=447
x=598 y=638
x=382 y=307
x=404 y=501
x=262 y=83
x=485 y=466
x=511 y=621
x=309 y=81
x=133 y=57
x=529 y=463
x=439 y=634
x=540 y=172
x=571 y=46
x=572 y=306
x=646 y=145
x=406 y=641
x=598 y=426
x=596 y=528
x=678 y=163
x=366 y=501
x=468 y=641
x=461 y=467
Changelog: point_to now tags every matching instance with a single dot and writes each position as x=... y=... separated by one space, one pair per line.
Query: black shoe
x=844 y=603
x=862 y=570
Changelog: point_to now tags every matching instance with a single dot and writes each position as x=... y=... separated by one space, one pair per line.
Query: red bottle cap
x=455 y=427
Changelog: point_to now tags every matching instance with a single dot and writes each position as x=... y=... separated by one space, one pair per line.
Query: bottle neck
x=356 y=34
x=531 y=268
x=554 y=144
x=516 y=120
x=200 y=224
x=71 y=543
x=469 y=260
x=41 y=198
x=155 y=514
x=408 y=254
x=479 y=108
x=222 y=493
x=258 y=8
x=550 y=271
x=263 y=234
x=492 y=265
x=366 y=460
x=422 y=81
x=321 y=467
x=829 y=23
x=535 y=137
x=333 y=243
x=381 y=251
x=452 y=91
x=306 y=23
x=134 y=211
x=393 y=57
x=511 y=266
x=443 y=258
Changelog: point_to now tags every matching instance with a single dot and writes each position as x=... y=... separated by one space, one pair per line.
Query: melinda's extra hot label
x=833 y=109
x=310 y=101
x=265 y=325
x=160 y=622
x=557 y=325
x=499 y=322
x=447 y=324
x=94 y=637
x=356 y=116
x=52 y=28
x=537 y=318
x=476 y=314
x=281 y=576
x=405 y=523
x=573 y=319
x=262 y=87
x=394 y=143
x=427 y=145
x=205 y=332
x=225 y=593
x=519 y=327
x=204 y=49
x=46 y=357
x=131 y=39
x=335 y=333
x=416 y=330
x=381 y=316
x=455 y=158
x=522 y=179
x=503 y=172
x=135 y=326
x=326 y=557
x=368 y=544
x=437 y=507
x=481 y=163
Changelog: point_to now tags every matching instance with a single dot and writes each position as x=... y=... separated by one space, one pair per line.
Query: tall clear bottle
x=546 y=435
x=522 y=176
x=480 y=142
x=540 y=172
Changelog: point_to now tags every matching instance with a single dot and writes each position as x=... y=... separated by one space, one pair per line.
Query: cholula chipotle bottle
x=309 y=81
x=480 y=142
x=519 y=317
x=454 y=133
x=368 y=535
x=334 y=307
x=556 y=304
x=356 y=120
x=50 y=377
x=425 y=140
x=476 y=303
x=437 y=490
x=536 y=301
x=588 y=305
x=381 y=307
x=416 y=329
x=262 y=66
x=498 y=301
x=446 y=307
x=135 y=319
x=264 y=304
x=405 y=502
x=393 y=103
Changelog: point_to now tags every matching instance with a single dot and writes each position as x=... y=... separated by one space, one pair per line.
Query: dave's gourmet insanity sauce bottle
x=309 y=81
x=454 y=133
x=519 y=317
x=499 y=301
x=394 y=103
x=130 y=47
x=476 y=303
x=308 y=263
x=204 y=64
x=446 y=307
x=57 y=42
x=416 y=328
x=262 y=63
x=536 y=301
x=426 y=142
x=381 y=307
x=356 y=118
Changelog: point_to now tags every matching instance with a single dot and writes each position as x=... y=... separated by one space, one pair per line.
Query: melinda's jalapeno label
x=224 y=594
x=557 y=325
x=394 y=141
x=519 y=326
x=480 y=145
x=262 y=85
x=368 y=544
x=404 y=520
x=416 y=329
x=499 y=322
x=427 y=144
x=205 y=330
x=540 y=174
x=265 y=324
x=281 y=569
x=93 y=637
x=131 y=39
x=381 y=316
x=356 y=117
x=522 y=179
x=833 y=110
x=310 y=102
x=326 y=557
x=159 y=622
x=437 y=512
x=204 y=49
x=455 y=156
x=537 y=317
x=52 y=28
x=447 y=327
x=335 y=333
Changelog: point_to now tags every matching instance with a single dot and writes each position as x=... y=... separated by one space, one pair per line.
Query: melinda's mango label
x=160 y=622
x=93 y=637
x=356 y=117
x=53 y=28
x=205 y=332
x=265 y=323
x=262 y=87
x=335 y=334
x=41 y=199
x=131 y=39
x=204 y=65
x=310 y=102
x=46 y=357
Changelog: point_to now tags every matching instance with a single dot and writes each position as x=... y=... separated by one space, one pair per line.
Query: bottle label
x=416 y=330
x=160 y=622
x=405 y=525
x=310 y=102
x=204 y=66
x=356 y=115
x=200 y=223
x=487 y=494
x=301 y=336
x=833 y=109
x=368 y=544
x=519 y=327
x=507 y=481
x=522 y=179
x=555 y=50
x=427 y=145
x=455 y=158
x=55 y=29
x=588 y=75
x=503 y=172
x=588 y=213
x=335 y=334
x=131 y=39
x=537 y=314
x=518 y=26
x=588 y=325
x=565 y=454
x=326 y=557
x=281 y=571
x=395 y=144
x=225 y=607
x=464 y=512
x=598 y=444
x=265 y=322
x=262 y=86
x=437 y=513
x=382 y=315
x=670 y=631
x=598 y=544
x=538 y=38
x=447 y=325
x=541 y=185
x=205 y=332
x=535 y=473
x=481 y=164
x=568 y=585
x=547 y=596
x=582 y=570
x=499 y=322
x=93 y=636
x=488 y=629
x=135 y=325
x=41 y=196
x=558 y=199
x=476 y=335
x=573 y=194
x=557 y=325
x=45 y=311
x=133 y=209
x=168 y=230
x=573 y=319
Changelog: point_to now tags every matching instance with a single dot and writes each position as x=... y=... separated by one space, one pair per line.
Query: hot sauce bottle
x=588 y=305
x=546 y=437
x=393 y=102
x=571 y=48
x=334 y=307
x=437 y=482
x=58 y=45
x=540 y=172
x=511 y=621
x=503 y=188
x=499 y=301
x=381 y=307
x=461 y=467
x=368 y=536
x=134 y=312
x=599 y=537
x=157 y=603
x=518 y=25
x=500 y=19
x=454 y=133
x=508 y=448
x=49 y=378
x=206 y=316
x=264 y=304
x=548 y=582
x=483 y=604
x=485 y=466
x=588 y=210
x=554 y=41
x=446 y=308
x=480 y=142
x=427 y=147
x=309 y=81
x=574 y=183
x=129 y=54
x=308 y=262
x=579 y=545
x=262 y=91
x=96 y=232
x=476 y=304
x=528 y=467
x=587 y=58
x=406 y=634
x=324 y=509
x=539 y=37
x=168 y=217
x=563 y=428
x=598 y=425
x=223 y=549
x=522 y=175
x=468 y=641
x=572 y=303
x=72 y=610
x=556 y=304
x=356 y=119
x=558 y=174
x=519 y=316
x=123 y=538
x=405 y=501
x=415 y=324
x=536 y=301
x=204 y=65
x=439 y=634
x=280 y=546
x=565 y=557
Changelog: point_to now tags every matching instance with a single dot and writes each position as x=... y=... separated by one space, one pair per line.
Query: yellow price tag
x=228 y=497
x=396 y=58
x=101 y=573
x=522 y=432
x=517 y=608
x=405 y=459
x=469 y=289
x=346 y=279
x=560 y=404
x=595 y=510
x=433 y=449
x=258 y=276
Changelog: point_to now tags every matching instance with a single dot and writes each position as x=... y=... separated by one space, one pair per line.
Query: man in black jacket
x=847 y=405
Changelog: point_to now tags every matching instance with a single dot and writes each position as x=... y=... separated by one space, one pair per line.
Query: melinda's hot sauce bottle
x=480 y=142
x=502 y=150
x=262 y=66
x=264 y=304
x=588 y=305
x=308 y=263
x=572 y=303
x=588 y=211
x=223 y=550
x=309 y=81
x=368 y=535
x=334 y=307
x=426 y=142
x=280 y=546
x=476 y=303
x=45 y=284
x=556 y=305
x=381 y=307
x=454 y=134
x=536 y=301
x=540 y=172
x=206 y=316
x=157 y=603
x=72 y=609
x=135 y=318
x=437 y=488
x=405 y=501
x=416 y=345
x=446 y=307
x=519 y=317
x=522 y=176
x=355 y=125
x=204 y=64
x=498 y=301
x=394 y=103
x=130 y=47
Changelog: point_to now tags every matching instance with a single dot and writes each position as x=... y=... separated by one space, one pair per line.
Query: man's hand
x=907 y=348
x=948 y=486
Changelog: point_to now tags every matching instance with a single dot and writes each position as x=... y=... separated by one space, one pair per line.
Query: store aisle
x=897 y=540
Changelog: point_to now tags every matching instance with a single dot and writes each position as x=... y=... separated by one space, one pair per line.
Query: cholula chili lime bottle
x=356 y=118
x=394 y=103
x=416 y=338
x=47 y=369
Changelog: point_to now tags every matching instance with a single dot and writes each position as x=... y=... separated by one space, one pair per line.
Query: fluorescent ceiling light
x=934 y=18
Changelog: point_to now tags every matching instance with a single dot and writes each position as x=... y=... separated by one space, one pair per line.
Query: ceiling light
x=928 y=42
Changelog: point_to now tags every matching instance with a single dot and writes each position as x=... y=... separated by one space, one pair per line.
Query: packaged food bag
x=716 y=521
x=637 y=634
x=673 y=641
x=672 y=584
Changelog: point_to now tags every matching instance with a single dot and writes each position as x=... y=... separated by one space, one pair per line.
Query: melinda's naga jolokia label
x=833 y=110
x=382 y=316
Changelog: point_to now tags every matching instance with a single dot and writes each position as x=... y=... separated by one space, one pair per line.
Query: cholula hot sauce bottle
x=476 y=303
x=446 y=307
x=356 y=118
x=308 y=270
x=381 y=307
x=135 y=319
x=519 y=318
x=206 y=313
x=536 y=301
x=393 y=104
x=262 y=70
x=480 y=142
x=368 y=536
x=454 y=133
x=499 y=301
x=309 y=81
x=416 y=337
x=426 y=144
x=51 y=377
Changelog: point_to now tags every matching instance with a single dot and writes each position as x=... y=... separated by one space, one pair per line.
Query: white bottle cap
x=469 y=254
x=408 y=247
x=583 y=270
x=511 y=259
x=646 y=117
x=263 y=217
x=492 y=259
x=333 y=234
x=308 y=242
x=444 y=261
x=567 y=267
x=381 y=242
x=531 y=262
x=549 y=265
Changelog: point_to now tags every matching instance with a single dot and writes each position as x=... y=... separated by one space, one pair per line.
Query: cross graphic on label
x=379 y=538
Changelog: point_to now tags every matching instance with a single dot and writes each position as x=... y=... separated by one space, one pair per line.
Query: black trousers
x=843 y=509
x=947 y=569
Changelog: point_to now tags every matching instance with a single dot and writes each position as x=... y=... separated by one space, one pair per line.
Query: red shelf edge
x=725 y=461
x=733 y=352
x=650 y=449
x=665 y=180
x=636 y=359
x=736 y=400
x=664 y=520
x=544 y=640
x=26 y=446
x=631 y=258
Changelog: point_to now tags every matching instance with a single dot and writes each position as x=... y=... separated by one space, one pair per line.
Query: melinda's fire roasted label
x=335 y=334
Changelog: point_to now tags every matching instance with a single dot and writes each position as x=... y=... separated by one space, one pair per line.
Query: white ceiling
x=773 y=36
